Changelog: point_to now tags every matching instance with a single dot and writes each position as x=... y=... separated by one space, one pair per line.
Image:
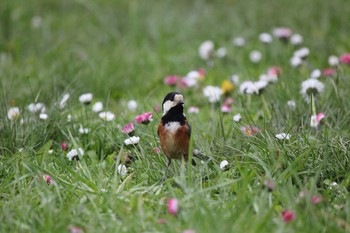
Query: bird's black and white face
x=172 y=100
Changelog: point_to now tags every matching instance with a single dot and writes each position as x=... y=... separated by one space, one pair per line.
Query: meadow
x=265 y=86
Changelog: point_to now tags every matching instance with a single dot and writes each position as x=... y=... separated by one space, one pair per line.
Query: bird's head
x=172 y=100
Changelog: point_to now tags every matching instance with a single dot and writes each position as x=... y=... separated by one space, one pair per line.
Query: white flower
x=296 y=61
x=223 y=164
x=191 y=78
x=13 y=113
x=237 y=117
x=193 y=110
x=234 y=79
x=69 y=118
x=313 y=121
x=50 y=152
x=213 y=93
x=97 y=107
x=260 y=86
x=36 y=107
x=83 y=130
x=132 y=140
x=269 y=78
x=283 y=136
x=296 y=39
x=107 y=116
x=255 y=56
x=122 y=170
x=36 y=21
x=291 y=104
x=221 y=52
x=302 y=53
x=64 y=101
x=247 y=87
x=206 y=50
x=86 y=98
x=311 y=86
x=265 y=38
x=132 y=105
x=315 y=73
x=333 y=60
x=43 y=116
x=282 y=32
x=75 y=153
x=238 y=41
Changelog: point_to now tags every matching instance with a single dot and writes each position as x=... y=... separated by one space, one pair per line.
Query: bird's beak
x=179 y=99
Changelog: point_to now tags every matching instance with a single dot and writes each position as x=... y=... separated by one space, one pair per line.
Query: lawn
x=276 y=151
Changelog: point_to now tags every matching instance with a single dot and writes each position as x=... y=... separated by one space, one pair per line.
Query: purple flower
x=48 y=179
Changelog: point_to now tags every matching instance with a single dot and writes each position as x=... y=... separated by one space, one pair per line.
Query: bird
x=173 y=130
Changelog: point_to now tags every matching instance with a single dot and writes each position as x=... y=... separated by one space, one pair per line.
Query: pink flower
x=328 y=72
x=274 y=70
x=156 y=108
x=75 y=229
x=156 y=150
x=173 y=206
x=316 y=199
x=228 y=101
x=48 y=179
x=193 y=109
x=250 y=130
x=171 y=80
x=282 y=32
x=226 y=108
x=345 y=58
x=189 y=231
x=161 y=221
x=288 y=215
x=202 y=72
x=320 y=117
x=128 y=129
x=144 y=118
x=64 y=146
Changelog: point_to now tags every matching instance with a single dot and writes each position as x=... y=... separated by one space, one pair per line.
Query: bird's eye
x=172 y=98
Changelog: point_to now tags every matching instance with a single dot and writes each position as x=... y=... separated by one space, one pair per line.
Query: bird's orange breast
x=174 y=140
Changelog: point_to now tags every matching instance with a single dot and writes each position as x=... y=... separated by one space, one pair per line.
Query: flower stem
x=313 y=105
x=267 y=111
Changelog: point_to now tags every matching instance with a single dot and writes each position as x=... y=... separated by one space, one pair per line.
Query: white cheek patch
x=172 y=127
x=167 y=106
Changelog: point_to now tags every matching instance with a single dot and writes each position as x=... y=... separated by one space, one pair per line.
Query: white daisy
x=238 y=41
x=265 y=38
x=237 y=117
x=13 y=113
x=36 y=107
x=315 y=74
x=221 y=52
x=107 y=116
x=36 y=21
x=132 y=140
x=223 y=164
x=132 y=105
x=255 y=56
x=247 y=87
x=282 y=32
x=269 y=78
x=206 y=50
x=234 y=79
x=122 y=170
x=313 y=121
x=283 y=136
x=302 y=53
x=333 y=60
x=260 y=86
x=43 y=116
x=86 y=98
x=83 y=130
x=296 y=39
x=213 y=93
x=97 y=107
x=296 y=61
x=75 y=153
x=311 y=86
x=64 y=101
x=291 y=104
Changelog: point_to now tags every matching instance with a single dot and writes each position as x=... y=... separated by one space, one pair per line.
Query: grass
x=122 y=50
